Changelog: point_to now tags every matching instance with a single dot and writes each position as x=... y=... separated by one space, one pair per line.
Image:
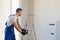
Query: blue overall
x=9 y=33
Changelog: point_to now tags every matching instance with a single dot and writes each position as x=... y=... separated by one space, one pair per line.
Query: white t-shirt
x=11 y=19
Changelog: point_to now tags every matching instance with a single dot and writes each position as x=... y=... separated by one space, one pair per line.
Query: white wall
x=25 y=7
x=4 y=12
x=25 y=17
x=28 y=18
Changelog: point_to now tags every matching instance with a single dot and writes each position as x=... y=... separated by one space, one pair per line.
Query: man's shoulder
x=11 y=15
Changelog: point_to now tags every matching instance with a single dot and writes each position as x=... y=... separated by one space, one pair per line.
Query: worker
x=12 y=22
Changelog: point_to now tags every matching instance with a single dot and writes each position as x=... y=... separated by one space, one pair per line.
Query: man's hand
x=24 y=32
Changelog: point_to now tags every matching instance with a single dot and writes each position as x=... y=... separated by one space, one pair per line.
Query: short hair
x=18 y=9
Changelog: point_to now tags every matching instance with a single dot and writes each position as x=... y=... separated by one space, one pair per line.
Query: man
x=13 y=22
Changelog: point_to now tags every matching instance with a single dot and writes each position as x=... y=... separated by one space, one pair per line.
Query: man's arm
x=17 y=26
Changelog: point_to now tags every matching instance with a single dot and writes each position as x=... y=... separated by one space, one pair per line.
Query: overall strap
x=11 y=15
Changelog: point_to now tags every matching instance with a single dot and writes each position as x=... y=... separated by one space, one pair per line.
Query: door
x=45 y=19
